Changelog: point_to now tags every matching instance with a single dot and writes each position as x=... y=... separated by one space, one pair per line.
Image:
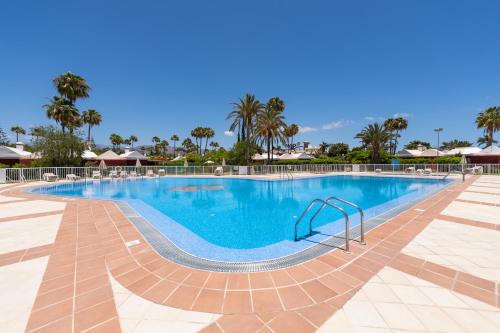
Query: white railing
x=16 y=175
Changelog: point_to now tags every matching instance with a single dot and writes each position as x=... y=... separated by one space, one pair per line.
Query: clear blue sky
x=164 y=67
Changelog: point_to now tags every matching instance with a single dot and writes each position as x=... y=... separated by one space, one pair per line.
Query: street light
x=438 y=130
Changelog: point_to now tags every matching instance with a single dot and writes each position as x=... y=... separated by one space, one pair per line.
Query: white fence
x=16 y=175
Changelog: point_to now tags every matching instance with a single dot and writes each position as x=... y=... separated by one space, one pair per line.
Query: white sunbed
x=427 y=171
x=219 y=171
x=150 y=173
x=72 y=176
x=161 y=172
x=475 y=170
x=96 y=174
x=133 y=174
x=410 y=170
x=50 y=177
x=123 y=174
x=113 y=174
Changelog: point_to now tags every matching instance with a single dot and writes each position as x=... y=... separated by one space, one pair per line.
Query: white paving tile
x=19 y=284
x=4 y=198
x=13 y=209
x=480 y=197
x=484 y=189
x=472 y=211
x=466 y=248
x=138 y=315
x=27 y=233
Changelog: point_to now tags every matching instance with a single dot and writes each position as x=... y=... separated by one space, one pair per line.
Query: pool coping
x=169 y=250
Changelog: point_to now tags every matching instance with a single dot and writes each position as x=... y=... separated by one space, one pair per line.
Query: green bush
x=3 y=166
x=59 y=149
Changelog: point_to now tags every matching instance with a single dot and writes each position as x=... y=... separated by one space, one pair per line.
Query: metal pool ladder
x=326 y=203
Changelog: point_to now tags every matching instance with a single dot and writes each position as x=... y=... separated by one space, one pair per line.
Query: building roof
x=89 y=155
x=133 y=155
x=13 y=153
x=409 y=153
x=488 y=151
x=432 y=153
x=463 y=151
x=109 y=155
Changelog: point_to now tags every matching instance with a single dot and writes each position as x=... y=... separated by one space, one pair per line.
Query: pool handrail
x=361 y=214
x=325 y=203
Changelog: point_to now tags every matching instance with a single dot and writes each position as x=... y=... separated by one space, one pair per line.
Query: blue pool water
x=239 y=219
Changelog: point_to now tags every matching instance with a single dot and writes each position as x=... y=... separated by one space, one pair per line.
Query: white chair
x=50 y=177
x=96 y=174
x=420 y=172
x=150 y=173
x=113 y=174
x=219 y=171
x=161 y=172
x=123 y=174
x=428 y=171
x=72 y=176
x=410 y=170
x=378 y=170
x=133 y=174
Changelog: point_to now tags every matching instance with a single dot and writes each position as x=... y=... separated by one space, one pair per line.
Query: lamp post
x=437 y=130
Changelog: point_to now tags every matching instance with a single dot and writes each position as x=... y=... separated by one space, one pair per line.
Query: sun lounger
x=378 y=170
x=150 y=173
x=410 y=170
x=72 y=176
x=133 y=174
x=219 y=171
x=50 y=177
x=420 y=172
x=475 y=170
x=113 y=174
x=161 y=172
x=96 y=174
x=123 y=174
x=427 y=171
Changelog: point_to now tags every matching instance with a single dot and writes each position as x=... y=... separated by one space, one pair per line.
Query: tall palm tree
x=62 y=111
x=164 y=144
x=156 y=140
x=133 y=139
x=243 y=115
x=269 y=128
x=208 y=134
x=198 y=134
x=323 y=146
x=18 y=130
x=276 y=104
x=188 y=144
x=92 y=118
x=486 y=141
x=71 y=86
x=489 y=120
x=395 y=125
x=74 y=123
x=290 y=132
x=36 y=132
x=116 y=141
x=375 y=136
x=174 y=139
x=214 y=145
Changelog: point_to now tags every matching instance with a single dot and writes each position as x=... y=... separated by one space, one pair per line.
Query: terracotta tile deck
x=76 y=292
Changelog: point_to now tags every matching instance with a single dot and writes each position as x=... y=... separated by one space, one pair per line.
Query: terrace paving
x=432 y=268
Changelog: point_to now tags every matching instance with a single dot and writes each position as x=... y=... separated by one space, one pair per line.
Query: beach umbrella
x=103 y=165
x=138 y=163
x=223 y=162
x=186 y=163
x=463 y=161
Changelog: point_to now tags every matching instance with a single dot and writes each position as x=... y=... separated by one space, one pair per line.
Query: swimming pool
x=244 y=220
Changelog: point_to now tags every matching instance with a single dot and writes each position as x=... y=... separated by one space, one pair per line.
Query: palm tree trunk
x=268 y=149
x=88 y=139
x=247 y=146
x=490 y=137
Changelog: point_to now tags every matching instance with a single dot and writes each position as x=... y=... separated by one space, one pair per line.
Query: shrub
x=59 y=149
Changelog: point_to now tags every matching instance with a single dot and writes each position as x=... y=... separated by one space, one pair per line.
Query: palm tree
x=290 y=132
x=36 y=132
x=74 y=123
x=485 y=141
x=174 y=139
x=489 y=120
x=92 y=118
x=62 y=111
x=376 y=137
x=188 y=144
x=116 y=141
x=208 y=134
x=18 y=130
x=71 y=87
x=243 y=115
x=198 y=134
x=449 y=145
x=132 y=140
x=395 y=125
x=156 y=140
x=269 y=128
x=323 y=146
x=214 y=145
x=164 y=144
